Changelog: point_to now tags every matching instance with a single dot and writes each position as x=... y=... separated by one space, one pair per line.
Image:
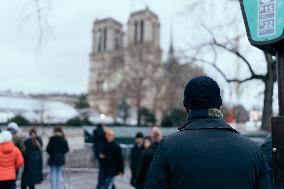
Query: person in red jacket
x=11 y=159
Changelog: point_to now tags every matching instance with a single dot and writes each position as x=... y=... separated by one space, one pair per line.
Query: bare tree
x=241 y=115
x=123 y=110
x=141 y=77
x=42 y=108
x=38 y=10
x=176 y=76
x=268 y=79
x=226 y=32
x=110 y=84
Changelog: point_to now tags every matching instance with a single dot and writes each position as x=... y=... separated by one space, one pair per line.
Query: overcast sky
x=61 y=62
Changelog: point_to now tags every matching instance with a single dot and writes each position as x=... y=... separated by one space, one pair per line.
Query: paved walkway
x=86 y=179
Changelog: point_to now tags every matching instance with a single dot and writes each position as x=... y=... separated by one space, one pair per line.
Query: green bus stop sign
x=264 y=21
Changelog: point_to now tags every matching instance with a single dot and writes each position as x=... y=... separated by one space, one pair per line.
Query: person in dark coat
x=56 y=148
x=148 y=156
x=99 y=140
x=267 y=150
x=156 y=136
x=207 y=152
x=32 y=173
x=144 y=163
x=135 y=156
x=112 y=160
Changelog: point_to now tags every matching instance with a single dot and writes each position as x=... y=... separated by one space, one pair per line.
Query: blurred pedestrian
x=207 y=152
x=267 y=150
x=135 y=155
x=112 y=160
x=11 y=159
x=14 y=129
x=57 y=148
x=33 y=166
x=151 y=144
x=144 y=163
x=156 y=135
x=99 y=140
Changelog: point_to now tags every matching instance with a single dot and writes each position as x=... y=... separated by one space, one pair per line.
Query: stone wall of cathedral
x=121 y=62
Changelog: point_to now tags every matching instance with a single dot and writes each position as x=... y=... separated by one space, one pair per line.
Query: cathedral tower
x=144 y=27
x=106 y=63
x=126 y=71
x=143 y=57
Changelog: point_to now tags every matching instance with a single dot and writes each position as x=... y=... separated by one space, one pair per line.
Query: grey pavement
x=86 y=179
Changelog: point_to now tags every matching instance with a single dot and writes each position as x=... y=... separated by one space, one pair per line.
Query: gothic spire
x=171 y=55
x=171 y=50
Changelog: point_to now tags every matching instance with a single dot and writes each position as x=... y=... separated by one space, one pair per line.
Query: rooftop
x=141 y=12
x=107 y=20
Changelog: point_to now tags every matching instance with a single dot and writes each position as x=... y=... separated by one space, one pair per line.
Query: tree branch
x=233 y=51
x=38 y=10
x=234 y=80
x=237 y=53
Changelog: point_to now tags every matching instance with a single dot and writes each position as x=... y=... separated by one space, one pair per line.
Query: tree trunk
x=268 y=93
x=138 y=109
x=267 y=104
x=138 y=117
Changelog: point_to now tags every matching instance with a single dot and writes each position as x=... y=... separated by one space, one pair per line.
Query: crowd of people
x=15 y=153
x=205 y=153
x=109 y=156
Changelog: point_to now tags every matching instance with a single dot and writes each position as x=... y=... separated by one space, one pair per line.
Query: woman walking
x=32 y=173
x=11 y=160
x=57 y=148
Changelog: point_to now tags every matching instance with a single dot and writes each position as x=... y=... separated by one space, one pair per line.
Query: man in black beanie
x=207 y=153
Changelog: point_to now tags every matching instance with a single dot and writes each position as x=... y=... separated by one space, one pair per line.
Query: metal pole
x=280 y=80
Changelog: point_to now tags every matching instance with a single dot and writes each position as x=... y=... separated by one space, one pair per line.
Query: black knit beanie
x=202 y=93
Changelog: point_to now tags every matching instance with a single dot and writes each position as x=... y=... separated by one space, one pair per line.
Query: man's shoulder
x=247 y=143
x=234 y=137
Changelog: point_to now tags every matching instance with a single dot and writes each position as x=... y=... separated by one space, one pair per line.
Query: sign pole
x=264 y=21
x=277 y=123
x=280 y=80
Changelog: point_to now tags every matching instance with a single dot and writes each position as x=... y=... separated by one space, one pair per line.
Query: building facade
x=125 y=65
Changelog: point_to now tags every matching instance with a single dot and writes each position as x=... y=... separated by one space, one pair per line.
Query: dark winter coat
x=99 y=140
x=32 y=173
x=267 y=150
x=135 y=156
x=144 y=165
x=57 y=148
x=112 y=163
x=207 y=153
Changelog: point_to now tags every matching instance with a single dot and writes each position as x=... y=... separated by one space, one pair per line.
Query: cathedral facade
x=126 y=65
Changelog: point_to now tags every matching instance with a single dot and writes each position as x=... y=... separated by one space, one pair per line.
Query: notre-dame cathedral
x=128 y=65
